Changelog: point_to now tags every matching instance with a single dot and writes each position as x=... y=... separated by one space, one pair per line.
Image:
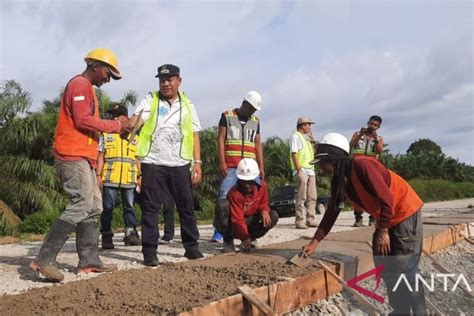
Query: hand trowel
x=300 y=260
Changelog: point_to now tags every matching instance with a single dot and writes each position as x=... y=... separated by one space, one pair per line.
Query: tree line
x=29 y=184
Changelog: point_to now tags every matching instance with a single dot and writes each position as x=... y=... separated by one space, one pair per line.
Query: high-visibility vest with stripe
x=405 y=200
x=240 y=138
x=366 y=148
x=305 y=155
x=120 y=169
x=70 y=140
x=186 y=119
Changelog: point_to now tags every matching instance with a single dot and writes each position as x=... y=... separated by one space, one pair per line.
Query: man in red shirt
x=75 y=152
x=398 y=238
x=248 y=208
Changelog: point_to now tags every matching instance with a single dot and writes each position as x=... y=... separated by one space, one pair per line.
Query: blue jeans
x=228 y=182
x=109 y=196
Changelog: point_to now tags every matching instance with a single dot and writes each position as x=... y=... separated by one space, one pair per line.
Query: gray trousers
x=406 y=242
x=79 y=181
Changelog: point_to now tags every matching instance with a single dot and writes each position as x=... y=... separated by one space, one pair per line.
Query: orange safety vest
x=240 y=138
x=70 y=141
x=405 y=200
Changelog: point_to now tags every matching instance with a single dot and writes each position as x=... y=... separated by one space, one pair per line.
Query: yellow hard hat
x=106 y=56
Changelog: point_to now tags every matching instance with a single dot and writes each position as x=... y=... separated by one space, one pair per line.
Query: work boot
x=45 y=262
x=358 y=222
x=312 y=224
x=107 y=241
x=87 y=244
x=228 y=245
x=371 y=221
x=132 y=239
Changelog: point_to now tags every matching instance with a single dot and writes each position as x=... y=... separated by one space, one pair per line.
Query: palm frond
x=8 y=220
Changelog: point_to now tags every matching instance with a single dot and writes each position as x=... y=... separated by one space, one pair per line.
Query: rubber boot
x=358 y=222
x=132 y=239
x=87 y=244
x=45 y=262
x=228 y=245
x=371 y=220
x=107 y=241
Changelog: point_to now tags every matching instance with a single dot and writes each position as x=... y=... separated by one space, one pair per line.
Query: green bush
x=441 y=190
x=39 y=222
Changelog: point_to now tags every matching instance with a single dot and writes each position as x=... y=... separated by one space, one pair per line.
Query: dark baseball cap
x=167 y=70
x=118 y=109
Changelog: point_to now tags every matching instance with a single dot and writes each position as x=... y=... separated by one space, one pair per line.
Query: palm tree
x=13 y=100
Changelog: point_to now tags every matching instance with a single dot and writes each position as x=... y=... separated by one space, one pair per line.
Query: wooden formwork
x=282 y=297
x=443 y=239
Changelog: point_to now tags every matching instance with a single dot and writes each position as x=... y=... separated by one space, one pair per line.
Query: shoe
x=371 y=221
x=107 y=241
x=311 y=224
x=301 y=226
x=193 y=254
x=358 y=223
x=150 y=260
x=132 y=239
x=216 y=237
x=165 y=241
x=228 y=245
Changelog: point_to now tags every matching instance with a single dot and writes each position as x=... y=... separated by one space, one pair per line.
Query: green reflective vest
x=305 y=155
x=186 y=119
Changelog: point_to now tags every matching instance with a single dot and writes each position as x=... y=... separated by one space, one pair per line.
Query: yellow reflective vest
x=120 y=169
x=305 y=155
x=146 y=134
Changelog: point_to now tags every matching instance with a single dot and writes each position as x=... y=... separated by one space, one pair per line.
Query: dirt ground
x=167 y=289
x=176 y=285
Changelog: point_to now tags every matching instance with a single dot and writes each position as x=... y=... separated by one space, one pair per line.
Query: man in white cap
x=302 y=148
x=238 y=138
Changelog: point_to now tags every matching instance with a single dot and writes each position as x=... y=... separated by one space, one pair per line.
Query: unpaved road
x=123 y=287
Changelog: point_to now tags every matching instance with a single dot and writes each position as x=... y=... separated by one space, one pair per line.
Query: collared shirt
x=295 y=146
x=166 y=140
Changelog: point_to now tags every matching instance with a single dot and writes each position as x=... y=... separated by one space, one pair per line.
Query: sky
x=338 y=62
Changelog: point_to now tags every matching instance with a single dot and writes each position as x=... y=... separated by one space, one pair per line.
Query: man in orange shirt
x=398 y=239
x=75 y=151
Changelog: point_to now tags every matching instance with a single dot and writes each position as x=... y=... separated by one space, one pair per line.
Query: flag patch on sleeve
x=79 y=98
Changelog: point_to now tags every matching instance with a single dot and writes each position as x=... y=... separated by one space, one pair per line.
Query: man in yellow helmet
x=170 y=154
x=75 y=153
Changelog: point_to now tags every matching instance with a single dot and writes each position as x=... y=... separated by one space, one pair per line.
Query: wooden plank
x=287 y=296
x=462 y=235
x=442 y=239
x=255 y=300
x=372 y=309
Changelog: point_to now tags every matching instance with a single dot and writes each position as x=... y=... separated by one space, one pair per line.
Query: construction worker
x=367 y=143
x=118 y=170
x=170 y=153
x=302 y=147
x=238 y=137
x=398 y=238
x=245 y=214
x=75 y=152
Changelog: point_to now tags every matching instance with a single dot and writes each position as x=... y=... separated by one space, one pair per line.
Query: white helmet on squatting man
x=247 y=169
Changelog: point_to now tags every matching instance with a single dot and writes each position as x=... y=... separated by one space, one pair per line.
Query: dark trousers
x=222 y=221
x=157 y=181
x=168 y=214
x=406 y=242
x=358 y=215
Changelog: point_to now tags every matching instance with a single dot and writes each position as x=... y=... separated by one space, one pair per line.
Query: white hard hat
x=255 y=99
x=247 y=169
x=336 y=140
